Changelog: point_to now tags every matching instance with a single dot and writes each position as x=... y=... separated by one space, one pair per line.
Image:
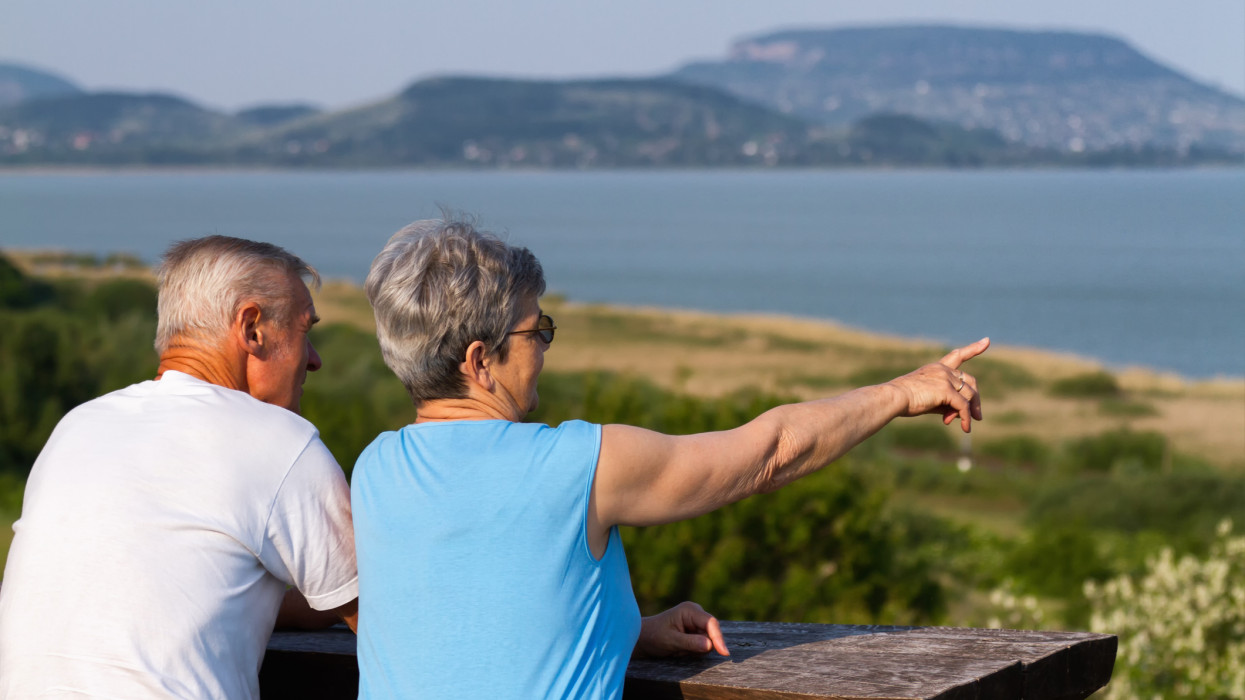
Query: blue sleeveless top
x=475 y=575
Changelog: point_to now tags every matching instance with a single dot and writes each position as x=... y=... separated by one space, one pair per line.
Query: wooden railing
x=782 y=660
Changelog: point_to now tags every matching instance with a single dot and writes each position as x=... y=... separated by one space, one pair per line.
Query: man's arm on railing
x=295 y=613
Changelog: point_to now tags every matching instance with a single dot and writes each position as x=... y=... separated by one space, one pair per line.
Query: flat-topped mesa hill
x=1063 y=90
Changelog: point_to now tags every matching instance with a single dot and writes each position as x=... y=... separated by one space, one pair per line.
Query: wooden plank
x=808 y=673
x=1055 y=664
x=833 y=661
x=785 y=661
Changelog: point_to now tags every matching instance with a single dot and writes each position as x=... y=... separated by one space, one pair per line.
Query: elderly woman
x=490 y=563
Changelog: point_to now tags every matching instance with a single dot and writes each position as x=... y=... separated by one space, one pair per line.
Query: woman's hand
x=942 y=387
x=684 y=629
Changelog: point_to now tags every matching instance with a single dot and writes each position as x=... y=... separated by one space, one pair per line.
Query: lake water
x=1133 y=268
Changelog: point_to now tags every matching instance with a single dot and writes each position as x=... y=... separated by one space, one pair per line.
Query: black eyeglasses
x=544 y=328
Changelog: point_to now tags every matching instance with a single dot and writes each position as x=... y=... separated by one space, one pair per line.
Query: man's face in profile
x=279 y=375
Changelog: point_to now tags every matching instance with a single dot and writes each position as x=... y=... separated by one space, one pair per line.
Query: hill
x=20 y=83
x=492 y=122
x=1062 y=90
x=891 y=96
x=113 y=127
x=272 y=115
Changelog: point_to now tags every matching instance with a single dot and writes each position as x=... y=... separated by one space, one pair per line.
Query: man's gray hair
x=438 y=286
x=203 y=282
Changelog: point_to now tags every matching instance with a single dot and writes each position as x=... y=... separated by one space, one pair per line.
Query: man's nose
x=313 y=358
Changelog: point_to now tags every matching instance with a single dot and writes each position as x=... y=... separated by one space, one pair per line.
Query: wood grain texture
x=785 y=661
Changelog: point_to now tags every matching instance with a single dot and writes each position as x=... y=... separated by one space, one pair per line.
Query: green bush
x=1123 y=408
x=17 y=291
x=1121 y=450
x=995 y=378
x=918 y=435
x=1090 y=385
x=1054 y=561
x=606 y=397
x=51 y=361
x=1184 y=507
x=820 y=550
x=1181 y=623
x=115 y=298
x=64 y=344
x=1016 y=449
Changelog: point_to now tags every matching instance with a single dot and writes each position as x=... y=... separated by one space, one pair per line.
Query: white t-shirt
x=160 y=527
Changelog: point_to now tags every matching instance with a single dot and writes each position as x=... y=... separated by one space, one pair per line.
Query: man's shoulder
x=178 y=396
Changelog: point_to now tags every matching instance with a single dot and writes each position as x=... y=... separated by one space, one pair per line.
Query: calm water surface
x=1134 y=268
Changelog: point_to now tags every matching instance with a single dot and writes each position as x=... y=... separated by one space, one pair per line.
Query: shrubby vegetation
x=1089 y=385
x=63 y=344
x=893 y=533
x=1181 y=623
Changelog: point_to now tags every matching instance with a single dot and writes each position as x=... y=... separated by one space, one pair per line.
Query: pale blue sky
x=233 y=53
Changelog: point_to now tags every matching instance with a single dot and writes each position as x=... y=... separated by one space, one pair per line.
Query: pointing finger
x=959 y=356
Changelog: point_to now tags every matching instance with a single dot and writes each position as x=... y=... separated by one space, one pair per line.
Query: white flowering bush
x=1181 y=624
x=1014 y=610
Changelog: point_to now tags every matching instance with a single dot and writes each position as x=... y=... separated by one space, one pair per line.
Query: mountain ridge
x=19 y=83
x=969 y=97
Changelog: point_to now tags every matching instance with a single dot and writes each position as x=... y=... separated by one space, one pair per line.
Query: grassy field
x=1030 y=397
x=1036 y=403
x=712 y=355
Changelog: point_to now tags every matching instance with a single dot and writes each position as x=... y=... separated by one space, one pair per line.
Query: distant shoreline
x=1071 y=362
x=49 y=169
x=718 y=354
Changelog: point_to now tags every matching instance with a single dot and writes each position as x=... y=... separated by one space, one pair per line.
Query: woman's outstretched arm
x=647 y=478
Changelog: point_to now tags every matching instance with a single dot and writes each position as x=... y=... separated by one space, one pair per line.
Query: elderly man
x=162 y=523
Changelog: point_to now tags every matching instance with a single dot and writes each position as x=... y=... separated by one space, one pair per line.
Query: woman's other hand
x=942 y=387
x=682 y=630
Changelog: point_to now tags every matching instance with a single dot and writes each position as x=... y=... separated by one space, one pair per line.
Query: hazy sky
x=234 y=53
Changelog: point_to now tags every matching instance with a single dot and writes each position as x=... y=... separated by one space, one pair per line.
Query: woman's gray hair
x=438 y=286
x=203 y=282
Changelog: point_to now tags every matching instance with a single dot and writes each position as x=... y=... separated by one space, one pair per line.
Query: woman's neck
x=442 y=410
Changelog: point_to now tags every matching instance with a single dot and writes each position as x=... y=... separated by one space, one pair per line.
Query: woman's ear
x=475 y=366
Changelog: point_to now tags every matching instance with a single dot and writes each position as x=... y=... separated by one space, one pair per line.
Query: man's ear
x=475 y=365
x=248 y=330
